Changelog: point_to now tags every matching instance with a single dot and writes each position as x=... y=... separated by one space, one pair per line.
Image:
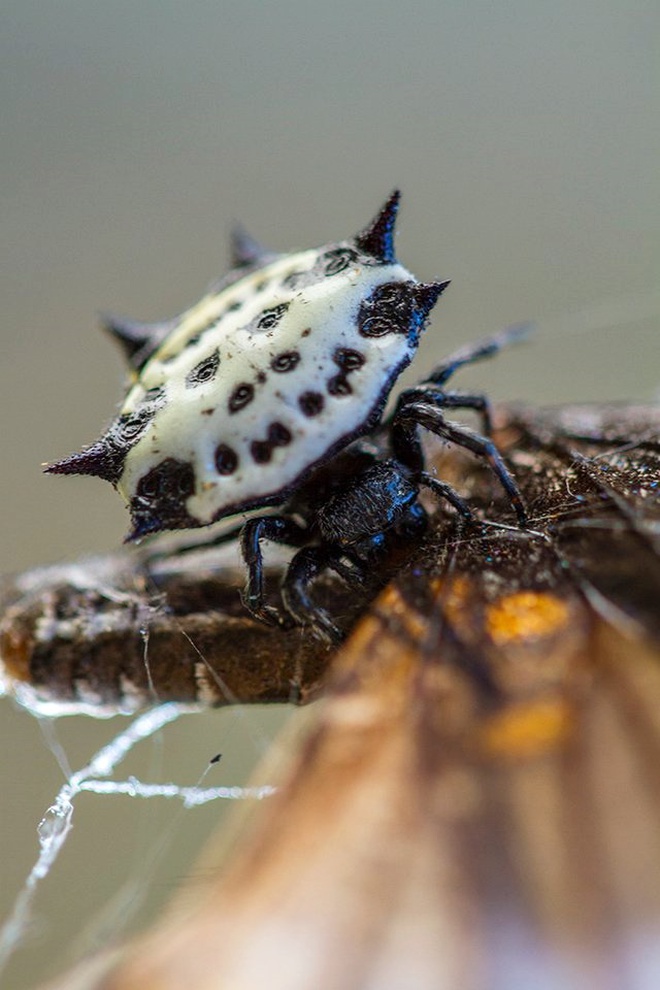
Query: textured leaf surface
x=474 y=802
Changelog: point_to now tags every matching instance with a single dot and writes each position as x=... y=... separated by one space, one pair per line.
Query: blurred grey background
x=524 y=137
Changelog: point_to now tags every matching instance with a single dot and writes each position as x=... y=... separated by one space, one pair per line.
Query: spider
x=271 y=391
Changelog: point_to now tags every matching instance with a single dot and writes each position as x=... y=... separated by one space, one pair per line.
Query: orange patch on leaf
x=528 y=729
x=526 y=615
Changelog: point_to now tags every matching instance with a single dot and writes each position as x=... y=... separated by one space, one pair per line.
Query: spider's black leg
x=404 y=438
x=443 y=490
x=350 y=570
x=305 y=567
x=278 y=529
x=476 y=352
x=405 y=441
x=429 y=392
x=430 y=388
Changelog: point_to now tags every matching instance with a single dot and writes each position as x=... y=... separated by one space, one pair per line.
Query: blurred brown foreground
x=473 y=800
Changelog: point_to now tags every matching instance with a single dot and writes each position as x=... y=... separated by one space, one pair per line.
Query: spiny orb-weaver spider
x=271 y=392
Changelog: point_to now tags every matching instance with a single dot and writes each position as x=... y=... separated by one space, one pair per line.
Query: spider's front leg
x=305 y=567
x=470 y=353
x=431 y=389
x=431 y=393
x=277 y=529
x=411 y=413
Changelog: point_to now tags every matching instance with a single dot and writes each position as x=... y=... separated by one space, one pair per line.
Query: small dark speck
x=216 y=758
x=234 y=306
x=261 y=377
x=208 y=412
x=306 y=332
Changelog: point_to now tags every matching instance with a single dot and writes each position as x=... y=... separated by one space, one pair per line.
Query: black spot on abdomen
x=338 y=260
x=286 y=361
x=339 y=385
x=389 y=309
x=271 y=317
x=348 y=359
x=311 y=403
x=226 y=459
x=171 y=480
x=241 y=397
x=261 y=451
x=279 y=435
x=160 y=498
x=204 y=371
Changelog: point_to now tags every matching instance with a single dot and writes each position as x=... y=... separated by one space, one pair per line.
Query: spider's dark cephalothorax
x=266 y=394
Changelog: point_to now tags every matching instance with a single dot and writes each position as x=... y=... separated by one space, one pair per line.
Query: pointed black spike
x=131 y=334
x=426 y=295
x=377 y=240
x=138 y=340
x=100 y=460
x=246 y=250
